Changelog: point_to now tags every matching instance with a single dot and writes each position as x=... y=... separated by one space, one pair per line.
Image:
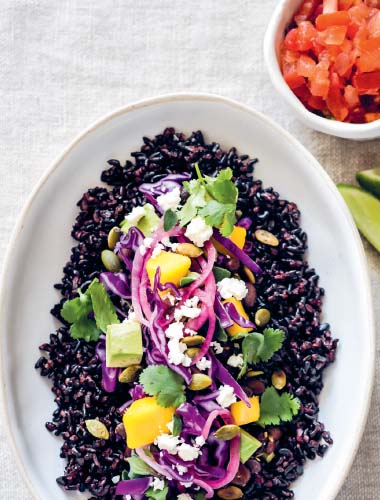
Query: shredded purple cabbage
x=133 y=486
x=164 y=185
x=116 y=283
x=236 y=317
x=109 y=375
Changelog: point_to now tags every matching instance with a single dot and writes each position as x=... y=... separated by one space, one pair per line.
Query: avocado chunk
x=124 y=344
x=365 y=210
x=370 y=180
x=146 y=222
x=248 y=445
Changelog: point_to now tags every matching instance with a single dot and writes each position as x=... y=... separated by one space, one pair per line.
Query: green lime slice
x=370 y=180
x=365 y=210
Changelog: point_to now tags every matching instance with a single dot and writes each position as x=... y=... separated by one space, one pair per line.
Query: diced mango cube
x=173 y=267
x=237 y=236
x=145 y=420
x=235 y=328
x=244 y=415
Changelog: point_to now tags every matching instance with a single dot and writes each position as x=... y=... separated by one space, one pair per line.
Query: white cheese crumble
x=168 y=442
x=188 y=452
x=184 y=496
x=115 y=479
x=170 y=426
x=137 y=214
x=200 y=441
x=170 y=297
x=131 y=318
x=147 y=243
x=203 y=364
x=226 y=396
x=170 y=200
x=158 y=484
x=176 y=353
x=236 y=360
x=174 y=330
x=181 y=469
x=232 y=287
x=127 y=497
x=157 y=250
x=188 y=310
x=217 y=347
x=198 y=231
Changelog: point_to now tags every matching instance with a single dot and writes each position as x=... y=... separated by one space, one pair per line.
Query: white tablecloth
x=63 y=64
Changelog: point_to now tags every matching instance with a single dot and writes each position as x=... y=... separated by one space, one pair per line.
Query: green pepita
x=97 y=429
x=230 y=493
x=113 y=237
x=279 y=379
x=199 y=382
x=227 y=432
x=250 y=275
x=192 y=352
x=128 y=375
x=188 y=249
x=110 y=261
x=193 y=341
x=262 y=317
x=254 y=373
x=266 y=238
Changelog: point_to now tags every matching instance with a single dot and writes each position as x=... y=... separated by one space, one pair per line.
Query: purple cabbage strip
x=164 y=185
x=117 y=283
x=224 y=377
x=236 y=317
x=192 y=421
x=128 y=244
x=245 y=222
x=223 y=316
x=237 y=252
x=109 y=375
x=133 y=486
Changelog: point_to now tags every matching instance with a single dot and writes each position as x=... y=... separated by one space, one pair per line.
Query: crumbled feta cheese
x=184 y=496
x=131 y=318
x=170 y=297
x=176 y=352
x=217 y=347
x=170 y=200
x=200 y=441
x=147 y=243
x=158 y=484
x=188 y=310
x=198 y=231
x=236 y=360
x=170 y=426
x=127 y=497
x=203 y=364
x=188 y=452
x=174 y=330
x=226 y=396
x=232 y=287
x=136 y=214
x=181 y=469
x=157 y=250
x=115 y=479
x=190 y=332
x=188 y=485
x=168 y=442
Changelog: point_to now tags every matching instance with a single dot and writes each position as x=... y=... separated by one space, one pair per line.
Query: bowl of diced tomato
x=323 y=56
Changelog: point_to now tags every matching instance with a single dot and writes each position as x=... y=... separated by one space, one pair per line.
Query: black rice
x=288 y=287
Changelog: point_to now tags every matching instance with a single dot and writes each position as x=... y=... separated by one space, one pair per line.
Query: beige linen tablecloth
x=63 y=64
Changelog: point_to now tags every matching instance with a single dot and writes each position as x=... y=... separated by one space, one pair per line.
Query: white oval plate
x=41 y=246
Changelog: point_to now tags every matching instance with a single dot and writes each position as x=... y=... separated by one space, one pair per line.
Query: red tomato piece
x=334 y=35
x=343 y=64
x=290 y=56
x=369 y=61
x=292 y=78
x=320 y=83
x=330 y=6
x=359 y=13
x=302 y=93
x=299 y=39
x=352 y=96
x=371 y=117
x=374 y=25
x=369 y=45
x=334 y=19
x=306 y=11
x=345 y=4
x=306 y=66
x=367 y=83
x=335 y=100
x=316 y=102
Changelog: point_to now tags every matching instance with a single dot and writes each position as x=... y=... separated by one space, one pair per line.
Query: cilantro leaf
x=166 y=385
x=222 y=188
x=138 y=467
x=170 y=219
x=75 y=309
x=258 y=347
x=177 y=425
x=152 y=494
x=200 y=496
x=85 y=329
x=104 y=310
x=228 y=223
x=220 y=333
x=276 y=408
x=196 y=200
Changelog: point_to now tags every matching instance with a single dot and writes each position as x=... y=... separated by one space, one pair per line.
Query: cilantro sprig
x=76 y=312
x=276 y=408
x=213 y=198
x=166 y=385
x=258 y=347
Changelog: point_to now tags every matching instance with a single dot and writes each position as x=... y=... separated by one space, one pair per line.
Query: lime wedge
x=365 y=210
x=370 y=180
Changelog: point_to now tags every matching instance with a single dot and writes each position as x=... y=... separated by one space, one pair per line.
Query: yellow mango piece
x=145 y=420
x=237 y=236
x=173 y=267
x=244 y=415
x=235 y=328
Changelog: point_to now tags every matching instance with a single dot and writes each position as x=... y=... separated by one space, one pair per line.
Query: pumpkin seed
x=227 y=432
x=279 y=379
x=230 y=493
x=262 y=317
x=128 y=375
x=188 y=249
x=269 y=457
x=97 y=429
x=110 y=261
x=113 y=237
x=193 y=341
x=266 y=238
x=192 y=352
x=250 y=275
x=200 y=381
x=120 y=430
x=254 y=373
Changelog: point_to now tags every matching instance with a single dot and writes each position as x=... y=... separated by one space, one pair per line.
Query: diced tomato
x=292 y=78
x=320 y=83
x=359 y=13
x=345 y=4
x=335 y=100
x=300 y=38
x=303 y=93
x=369 y=61
x=334 y=35
x=290 y=56
x=375 y=4
x=367 y=83
x=316 y=102
x=343 y=64
x=352 y=97
x=334 y=19
x=306 y=66
x=306 y=10
x=374 y=25
x=369 y=45
x=371 y=117
x=330 y=6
